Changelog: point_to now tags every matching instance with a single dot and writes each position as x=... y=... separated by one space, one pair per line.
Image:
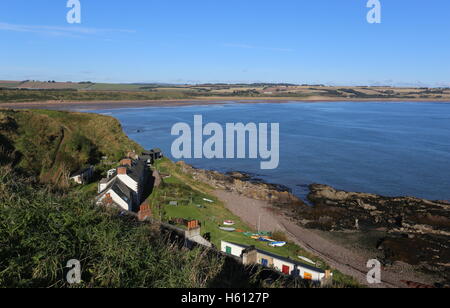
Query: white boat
x=207 y=200
x=227 y=229
x=307 y=260
x=277 y=244
x=228 y=223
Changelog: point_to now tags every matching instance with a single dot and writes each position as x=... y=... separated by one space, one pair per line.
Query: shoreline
x=262 y=205
x=210 y=101
x=343 y=258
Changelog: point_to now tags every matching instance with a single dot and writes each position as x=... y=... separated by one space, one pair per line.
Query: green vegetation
x=43 y=225
x=40 y=230
x=52 y=144
x=35 y=91
x=190 y=196
x=9 y=95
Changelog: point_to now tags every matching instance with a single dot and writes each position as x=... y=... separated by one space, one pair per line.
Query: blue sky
x=180 y=41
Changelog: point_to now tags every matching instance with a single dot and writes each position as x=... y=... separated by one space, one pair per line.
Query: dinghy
x=228 y=223
x=277 y=244
x=227 y=229
x=307 y=260
x=265 y=239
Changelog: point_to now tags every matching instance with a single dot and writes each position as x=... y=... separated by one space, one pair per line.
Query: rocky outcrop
x=242 y=184
x=397 y=214
x=414 y=231
x=417 y=231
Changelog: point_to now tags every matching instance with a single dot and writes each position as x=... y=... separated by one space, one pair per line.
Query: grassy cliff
x=52 y=144
x=43 y=225
x=41 y=230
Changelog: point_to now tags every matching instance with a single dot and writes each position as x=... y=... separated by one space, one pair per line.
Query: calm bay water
x=392 y=149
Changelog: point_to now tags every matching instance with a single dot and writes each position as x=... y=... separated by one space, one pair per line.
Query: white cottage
x=232 y=248
x=132 y=174
x=117 y=193
x=251 y=255
x=83 y=176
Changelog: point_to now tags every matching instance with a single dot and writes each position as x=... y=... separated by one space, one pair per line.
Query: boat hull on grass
x=227 y=229
x=277 y=244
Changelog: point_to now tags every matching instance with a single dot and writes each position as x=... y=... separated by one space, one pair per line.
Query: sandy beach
x=96 y=105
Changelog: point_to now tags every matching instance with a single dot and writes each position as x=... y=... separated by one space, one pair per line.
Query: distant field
x=9 y=95
x=115 y=87
x=9 y=84
x=37 y=91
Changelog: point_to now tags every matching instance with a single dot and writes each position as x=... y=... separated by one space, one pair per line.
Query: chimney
x=193 y=224
x=126 y=162
x=122 y=170
x=144 y=212
x=250 y=256
x=107 y=200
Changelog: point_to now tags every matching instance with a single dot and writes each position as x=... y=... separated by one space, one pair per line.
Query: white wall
x=278 y=265
x=77 y=179
x=316 y=276
x=103 y=186
x=122 y=203
x=115 y=197
x=235 y=250
x=133 y=185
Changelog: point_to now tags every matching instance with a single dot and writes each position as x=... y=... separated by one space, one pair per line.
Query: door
x=265 y=262
x=228 y=250
x=286 y=270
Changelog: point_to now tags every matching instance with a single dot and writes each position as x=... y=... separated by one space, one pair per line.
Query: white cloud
x=69 y=31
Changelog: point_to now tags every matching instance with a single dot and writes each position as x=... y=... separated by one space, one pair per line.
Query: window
x=228 y=250
x=307 y=276
x=265 y=262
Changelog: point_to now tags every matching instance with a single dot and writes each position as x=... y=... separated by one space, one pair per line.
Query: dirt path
x=255 y=212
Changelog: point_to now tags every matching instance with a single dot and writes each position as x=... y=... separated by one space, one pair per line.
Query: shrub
x=279 y=236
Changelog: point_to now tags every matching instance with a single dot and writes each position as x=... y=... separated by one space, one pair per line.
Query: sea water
x=391 y=149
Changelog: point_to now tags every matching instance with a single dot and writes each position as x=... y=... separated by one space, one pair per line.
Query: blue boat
x=277 y=244
x=262 y=239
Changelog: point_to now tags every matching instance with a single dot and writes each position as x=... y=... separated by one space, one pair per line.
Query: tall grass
x=40 y=230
